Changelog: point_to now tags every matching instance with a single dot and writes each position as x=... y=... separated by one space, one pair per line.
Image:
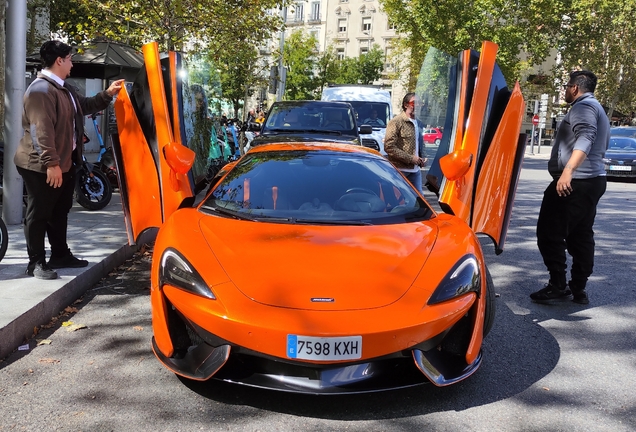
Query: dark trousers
x=565 y=223
x=46 y=213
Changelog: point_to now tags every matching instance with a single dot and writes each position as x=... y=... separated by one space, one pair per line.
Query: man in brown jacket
x=402 y=142
x=53 y=122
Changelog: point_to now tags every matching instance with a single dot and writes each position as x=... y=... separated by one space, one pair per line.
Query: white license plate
x=620 y=168
x=331 y=348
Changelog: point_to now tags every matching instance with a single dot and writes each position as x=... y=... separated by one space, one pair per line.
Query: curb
x=22 y=328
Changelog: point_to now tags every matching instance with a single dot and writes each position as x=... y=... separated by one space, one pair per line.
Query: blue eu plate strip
x=292 y=342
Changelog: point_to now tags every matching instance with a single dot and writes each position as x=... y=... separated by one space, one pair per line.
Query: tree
x=370 y=65
x=174 y=24
x=600 y=36
x=240 y=73
x=455 y=25
x=300 y=59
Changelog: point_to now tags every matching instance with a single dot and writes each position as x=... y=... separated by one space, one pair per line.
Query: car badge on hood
x=322 y=300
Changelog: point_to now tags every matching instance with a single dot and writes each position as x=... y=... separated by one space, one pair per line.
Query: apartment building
x=352 y=27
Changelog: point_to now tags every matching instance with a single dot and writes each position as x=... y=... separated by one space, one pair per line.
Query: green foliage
x=300 y=59
x=212 y=24
x=601 y=36
x=455 y=25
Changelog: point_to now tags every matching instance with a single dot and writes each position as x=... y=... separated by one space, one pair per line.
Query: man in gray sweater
x=569 y=203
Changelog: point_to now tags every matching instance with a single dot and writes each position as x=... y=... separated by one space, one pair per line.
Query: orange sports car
x=317 y=267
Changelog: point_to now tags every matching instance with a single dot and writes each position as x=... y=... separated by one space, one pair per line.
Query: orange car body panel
x=141 y=197
x=178 y=184
x=398 y=320
x=458 y=194
x=495 y=179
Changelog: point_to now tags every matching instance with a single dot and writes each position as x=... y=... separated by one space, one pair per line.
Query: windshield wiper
x=226 y=212
x=331 y=222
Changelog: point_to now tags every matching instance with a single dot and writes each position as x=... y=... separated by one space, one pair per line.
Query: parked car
x=305 y=121
x=316 y=267
x=432 y=136
x=372 y=105
x=620 y=158
x=626 y=131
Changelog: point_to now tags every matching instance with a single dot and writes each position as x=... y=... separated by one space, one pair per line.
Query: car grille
x=371 y=143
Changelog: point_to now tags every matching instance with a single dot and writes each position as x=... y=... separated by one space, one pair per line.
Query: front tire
x=491 y=306
x=93 y=192
x=4 y=239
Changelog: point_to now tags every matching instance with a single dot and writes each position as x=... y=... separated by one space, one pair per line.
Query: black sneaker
x=580 y=297
x=67 y=261
x=41 y=271
x=551 y=294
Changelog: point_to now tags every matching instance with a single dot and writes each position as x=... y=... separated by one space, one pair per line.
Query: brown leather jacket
x=47 y=120
x=400 y=142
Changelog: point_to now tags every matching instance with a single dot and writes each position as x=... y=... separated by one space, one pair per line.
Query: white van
x=372 y=105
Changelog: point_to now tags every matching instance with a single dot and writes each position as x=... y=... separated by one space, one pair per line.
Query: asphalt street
x=545 y=368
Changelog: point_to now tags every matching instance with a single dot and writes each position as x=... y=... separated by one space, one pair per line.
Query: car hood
x=304 y=137
x=330 y=268
x=617 y=154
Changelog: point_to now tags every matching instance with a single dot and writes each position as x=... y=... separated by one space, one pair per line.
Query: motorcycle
x=93 y=190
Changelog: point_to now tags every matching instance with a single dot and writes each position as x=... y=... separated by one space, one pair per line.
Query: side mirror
x=454 y=165
x=366 y=129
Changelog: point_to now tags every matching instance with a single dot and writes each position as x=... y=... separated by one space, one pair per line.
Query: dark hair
x=406 y=99
x=585 y=80
x=51 y=50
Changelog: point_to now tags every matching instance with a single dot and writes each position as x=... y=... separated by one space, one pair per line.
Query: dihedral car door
x=476 y=168
x=151 y=189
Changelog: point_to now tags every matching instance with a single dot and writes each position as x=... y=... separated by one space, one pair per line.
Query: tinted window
x=316 y=187
x=622 y=144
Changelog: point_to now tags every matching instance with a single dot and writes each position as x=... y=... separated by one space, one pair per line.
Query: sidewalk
x=26 y=302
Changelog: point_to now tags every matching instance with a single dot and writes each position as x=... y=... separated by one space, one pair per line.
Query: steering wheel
x=360 y=190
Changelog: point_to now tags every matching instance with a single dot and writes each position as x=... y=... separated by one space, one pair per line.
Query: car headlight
x=462 y=278
x=176 y=271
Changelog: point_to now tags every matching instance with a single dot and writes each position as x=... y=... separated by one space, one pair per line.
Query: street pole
x=14 y=87
x=281 y=69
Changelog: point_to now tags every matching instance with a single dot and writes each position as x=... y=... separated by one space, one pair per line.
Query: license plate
x=331 y=348
x=620 y=168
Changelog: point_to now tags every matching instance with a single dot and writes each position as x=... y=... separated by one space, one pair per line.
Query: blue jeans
x=415 y=178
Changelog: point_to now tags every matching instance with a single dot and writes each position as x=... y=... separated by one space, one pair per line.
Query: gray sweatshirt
x=585 y=127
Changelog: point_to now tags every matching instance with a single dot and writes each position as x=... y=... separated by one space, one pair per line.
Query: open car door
x=154 y=162
x=477 y=165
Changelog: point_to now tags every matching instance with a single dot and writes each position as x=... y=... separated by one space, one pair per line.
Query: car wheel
x=438 y=141
x=491 y=307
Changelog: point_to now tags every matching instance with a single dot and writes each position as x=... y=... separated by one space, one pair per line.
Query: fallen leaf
x=43 y=342
x=49 y=360
x=75 y=327
x=30 y=371
x=35 y=331
x=67 y=323
x=546 y=389
x=70 y=309
x=79 y=300
x=138 y=328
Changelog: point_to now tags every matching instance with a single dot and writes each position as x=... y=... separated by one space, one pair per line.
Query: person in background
x=567 y=213
x=374 y=120
x=260 y=118
x=53 y=123
x=402 y=142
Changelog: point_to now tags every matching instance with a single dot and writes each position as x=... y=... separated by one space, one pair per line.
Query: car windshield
x=622 y=144
x=316 y=187
x=310 y=117
x=371 y=113
x=623 y=131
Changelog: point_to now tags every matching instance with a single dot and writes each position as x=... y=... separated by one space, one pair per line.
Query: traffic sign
x=535 y=120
